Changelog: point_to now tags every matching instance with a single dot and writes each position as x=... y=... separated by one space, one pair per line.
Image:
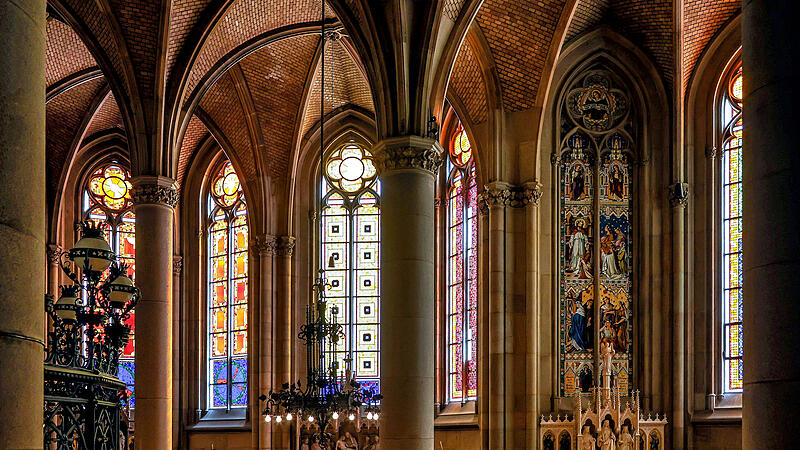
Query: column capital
x=284 y=245
x=53 y=252
x=177 y=265
x=265 y=244
x=408 y=152
x=149 y=190
x=500 y=194
x=678 y=194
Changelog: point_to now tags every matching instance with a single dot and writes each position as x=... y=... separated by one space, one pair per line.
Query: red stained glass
x=462 y=268
x=227 y=277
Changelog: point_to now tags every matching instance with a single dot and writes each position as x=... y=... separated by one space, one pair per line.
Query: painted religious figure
x=347 y=442
x=578 y=185
x=579 y=324
x=579 y=250
x=616 y=183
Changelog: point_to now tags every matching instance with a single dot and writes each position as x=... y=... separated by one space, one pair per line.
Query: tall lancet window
x=107 y=202
x=732 y=230
x=595 y=214
x=228 y=238
x=350 y=254
x=462 y=270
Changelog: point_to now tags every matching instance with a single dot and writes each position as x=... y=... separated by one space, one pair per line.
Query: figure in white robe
x=579 y=244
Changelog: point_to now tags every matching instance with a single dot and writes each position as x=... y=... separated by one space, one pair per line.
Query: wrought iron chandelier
x=82 y=395
x=327 y=396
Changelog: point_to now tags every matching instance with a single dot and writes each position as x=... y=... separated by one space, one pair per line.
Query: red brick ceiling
x=106 y=117
x=65 y=114
x=195 y=134
x=702 y=20
x=467 y=84
x=244 y=20
x=66 y=53
x=344 y=85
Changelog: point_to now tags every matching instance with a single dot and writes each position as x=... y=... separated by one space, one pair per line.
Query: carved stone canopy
x=149 y=190
x=408 y=152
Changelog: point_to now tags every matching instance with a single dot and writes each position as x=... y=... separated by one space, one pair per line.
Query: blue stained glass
x=239 y=370
x=239 y=394
x=126 y=374
x=220 y=395
x=220 y=372
x=372 y=385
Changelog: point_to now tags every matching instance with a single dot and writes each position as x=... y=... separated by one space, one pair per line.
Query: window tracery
x=462 y=270
x=595 y=210
x=350 y=254
x=107 y=202
x=732 y=271
x=227 y=292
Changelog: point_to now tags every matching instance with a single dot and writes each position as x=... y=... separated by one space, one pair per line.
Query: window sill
x=457 y=415
x=727 y=409
x=221 y=420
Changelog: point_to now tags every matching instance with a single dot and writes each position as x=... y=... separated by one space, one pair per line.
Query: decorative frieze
x=155 y=190
x=408 y=152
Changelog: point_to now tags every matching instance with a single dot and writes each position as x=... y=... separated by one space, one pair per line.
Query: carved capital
x=531 y=193
x=678 y=194
x=154 y=191
x=264 y=244
x=53 y=252
x=499 y=194
x=284 y=245
x=408 y=152
x=495 y=195
x=177 y=265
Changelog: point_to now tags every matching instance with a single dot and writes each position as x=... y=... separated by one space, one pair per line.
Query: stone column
x=22 y=221
x=262 y=320
x=177 y=270
x=771 y=241
x=154 y=200
x=407 y=167
x=283 y=330
x=53 y=253
x=494 y=198
x=537 y=354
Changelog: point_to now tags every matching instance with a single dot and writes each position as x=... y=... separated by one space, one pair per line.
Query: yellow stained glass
x=110 y=186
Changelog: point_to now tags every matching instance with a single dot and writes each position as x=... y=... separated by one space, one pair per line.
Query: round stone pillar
x=22 y=221
x=154 y=200
x=407 y=167
x=771 y=241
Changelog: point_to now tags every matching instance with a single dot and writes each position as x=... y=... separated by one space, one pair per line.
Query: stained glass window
x=228 y=239
x=732 y=231
x=595 y=205
x=107 y=203
x=462 y=270
x=350 y=254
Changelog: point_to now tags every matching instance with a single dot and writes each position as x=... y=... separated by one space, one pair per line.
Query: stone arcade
x=541 y=223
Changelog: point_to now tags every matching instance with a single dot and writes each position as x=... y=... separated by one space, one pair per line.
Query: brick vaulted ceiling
x=276 y=86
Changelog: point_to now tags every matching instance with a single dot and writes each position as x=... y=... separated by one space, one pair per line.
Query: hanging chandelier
x=327 y=396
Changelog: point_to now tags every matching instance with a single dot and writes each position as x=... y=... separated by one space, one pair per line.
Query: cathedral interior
x=398 y=224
